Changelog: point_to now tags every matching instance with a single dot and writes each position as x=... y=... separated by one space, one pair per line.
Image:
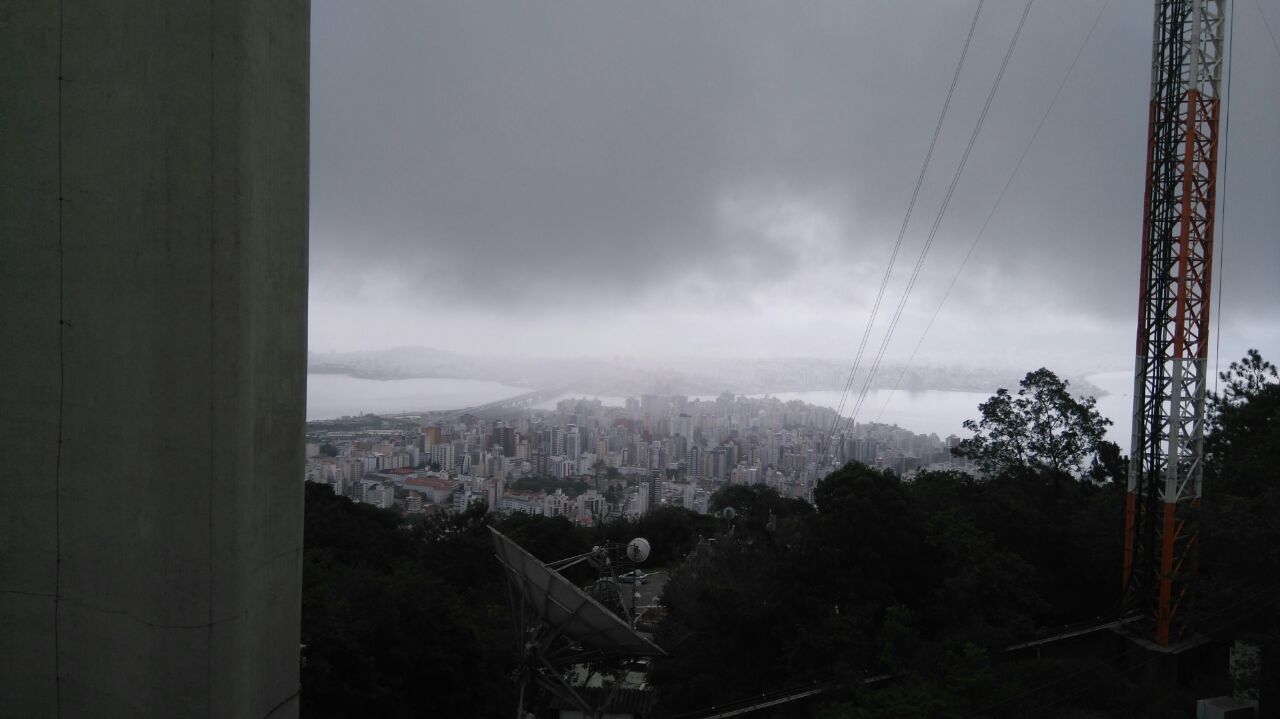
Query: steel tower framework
x=1165 y=470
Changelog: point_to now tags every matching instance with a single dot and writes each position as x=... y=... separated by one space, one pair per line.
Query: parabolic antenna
x=638 y=550
x=599 y=557
x=565 y=608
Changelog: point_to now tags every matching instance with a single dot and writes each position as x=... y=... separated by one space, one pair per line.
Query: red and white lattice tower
x=1165 y=471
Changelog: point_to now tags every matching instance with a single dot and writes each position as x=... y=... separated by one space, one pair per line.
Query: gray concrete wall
x=153 y=273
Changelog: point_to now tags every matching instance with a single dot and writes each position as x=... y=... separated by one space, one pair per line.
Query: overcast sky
x=728 y=178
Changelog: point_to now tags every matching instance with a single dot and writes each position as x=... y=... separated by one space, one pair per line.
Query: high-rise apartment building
x=693 y=461
x=431 y=436
x=572 y=442
x=506 y=438
x=444 y=455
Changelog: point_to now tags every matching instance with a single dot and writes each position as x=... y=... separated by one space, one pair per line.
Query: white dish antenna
x=638 y=549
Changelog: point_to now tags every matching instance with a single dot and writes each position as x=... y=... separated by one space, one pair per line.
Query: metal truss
x=1165 y=471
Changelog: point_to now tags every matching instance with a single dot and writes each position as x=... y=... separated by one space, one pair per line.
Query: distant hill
x=676 y=375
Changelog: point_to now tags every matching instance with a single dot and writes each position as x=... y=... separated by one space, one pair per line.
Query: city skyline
x=588 y=461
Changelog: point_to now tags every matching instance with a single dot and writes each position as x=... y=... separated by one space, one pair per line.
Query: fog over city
x=712 y=180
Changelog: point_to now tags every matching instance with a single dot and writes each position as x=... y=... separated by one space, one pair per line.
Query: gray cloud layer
x=582 y=176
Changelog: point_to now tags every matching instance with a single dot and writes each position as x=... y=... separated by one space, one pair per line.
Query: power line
x=942 y=210
x=1267 y=25
x=1222 y=219
x=902 y=230
x=1008 y=183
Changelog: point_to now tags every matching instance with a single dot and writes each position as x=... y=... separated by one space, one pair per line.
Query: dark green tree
x=1244 y=442
x=927 y=580
x=391 y=616
x=869 y=527
x=672 y=533
x=1246 y=379
x=736 y=618
x=1110 y=464
x=328 y=450
x=757 y=500
x=1042 y=427
x=1240 y=522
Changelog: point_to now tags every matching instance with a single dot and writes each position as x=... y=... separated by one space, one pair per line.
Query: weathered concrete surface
x=153 y=260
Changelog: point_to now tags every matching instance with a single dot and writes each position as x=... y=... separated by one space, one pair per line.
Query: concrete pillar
x=153 y=272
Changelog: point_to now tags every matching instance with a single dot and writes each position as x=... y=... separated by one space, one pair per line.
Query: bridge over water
x=507 y=404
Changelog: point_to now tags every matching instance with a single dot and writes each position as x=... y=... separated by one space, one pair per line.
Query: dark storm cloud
x=597 y=137
x=487 y=151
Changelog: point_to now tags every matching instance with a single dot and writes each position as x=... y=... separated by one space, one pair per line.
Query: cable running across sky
x=902 y=230
x=942 y=211
x=1222 y=213
x=982 y=231
x=850 y=422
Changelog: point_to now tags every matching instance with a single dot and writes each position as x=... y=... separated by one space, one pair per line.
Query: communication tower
x=1165 y=470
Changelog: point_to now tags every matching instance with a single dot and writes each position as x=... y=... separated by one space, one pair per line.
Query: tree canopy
x=400 y=618
x=1238 y=586
x=1041 y=427
x=393 y=619
x=927 y=580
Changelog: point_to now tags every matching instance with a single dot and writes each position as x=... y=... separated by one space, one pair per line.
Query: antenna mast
x=1165 y=470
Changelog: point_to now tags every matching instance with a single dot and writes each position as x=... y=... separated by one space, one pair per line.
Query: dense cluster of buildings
x=591 y=460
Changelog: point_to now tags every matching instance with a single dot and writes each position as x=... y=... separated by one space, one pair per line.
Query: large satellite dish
x=638 y=550
x=560 y=626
